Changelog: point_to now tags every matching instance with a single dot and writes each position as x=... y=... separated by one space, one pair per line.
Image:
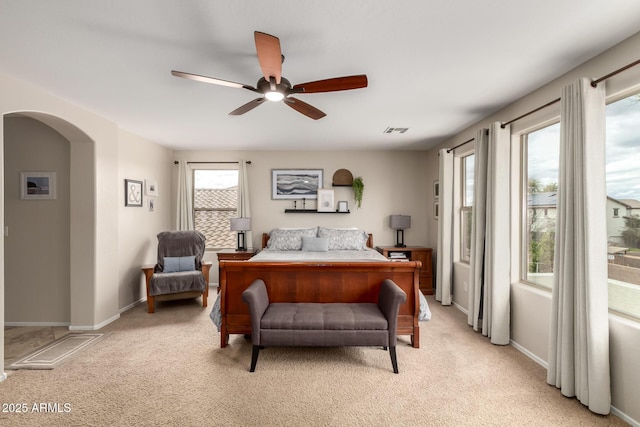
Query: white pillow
x=315 y=244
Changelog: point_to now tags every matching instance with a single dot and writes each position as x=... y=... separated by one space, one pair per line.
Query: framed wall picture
x=326 y=200
x=436 y=189
x=343 y=206
x=37 y=185
x=295 y=183
x=151 y=187
x=436 y=210
x=132 y=193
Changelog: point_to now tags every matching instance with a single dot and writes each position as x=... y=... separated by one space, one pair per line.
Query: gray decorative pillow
x=175 y=264
x=341 y=239
x=315 y=244
x=289 y=239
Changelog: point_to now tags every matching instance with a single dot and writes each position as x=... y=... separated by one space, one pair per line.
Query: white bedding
x=364 y=255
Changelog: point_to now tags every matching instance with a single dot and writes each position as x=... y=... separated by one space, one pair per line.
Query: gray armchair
x=180 y=272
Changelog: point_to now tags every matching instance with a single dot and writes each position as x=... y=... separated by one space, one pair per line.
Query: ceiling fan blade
x=211 y=80
x=304 y=108
x=332 y=85
x=247 y=107
x=269 y=55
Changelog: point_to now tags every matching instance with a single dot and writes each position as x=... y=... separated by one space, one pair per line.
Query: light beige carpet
x=167 y=369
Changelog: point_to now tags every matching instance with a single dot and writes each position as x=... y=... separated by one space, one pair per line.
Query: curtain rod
x=175 y=162
x=460 y=145
x=594 y=83
x=466 y=142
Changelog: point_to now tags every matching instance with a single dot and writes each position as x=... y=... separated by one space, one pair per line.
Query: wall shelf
x=312 y=211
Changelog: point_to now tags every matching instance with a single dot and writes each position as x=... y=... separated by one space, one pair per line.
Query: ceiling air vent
x=396 y=130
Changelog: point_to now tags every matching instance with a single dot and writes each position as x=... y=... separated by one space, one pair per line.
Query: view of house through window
x=541 y=178
x=468 y=167
x=541 y=150
x=215 y=202
x=623 y=205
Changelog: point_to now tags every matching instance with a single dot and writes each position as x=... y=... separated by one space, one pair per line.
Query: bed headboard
x=265 y=240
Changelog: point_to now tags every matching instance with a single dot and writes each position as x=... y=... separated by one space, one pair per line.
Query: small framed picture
x=132 y=193
x=151 y=187
x=436 y=210
x=343 y=206
x=326 y=200
x=37 y=185
x=436 y=189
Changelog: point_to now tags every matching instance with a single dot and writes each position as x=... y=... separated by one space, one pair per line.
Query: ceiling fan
x=274 y=87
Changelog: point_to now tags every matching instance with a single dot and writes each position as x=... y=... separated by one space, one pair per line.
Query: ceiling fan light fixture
x=274 y=96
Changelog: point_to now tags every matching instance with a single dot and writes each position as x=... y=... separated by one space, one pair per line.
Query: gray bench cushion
x=334 y=316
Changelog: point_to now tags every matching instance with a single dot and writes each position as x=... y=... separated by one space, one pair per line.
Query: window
x=541 y=150
x=467 y=169
x=215 y=202
x=623 y=195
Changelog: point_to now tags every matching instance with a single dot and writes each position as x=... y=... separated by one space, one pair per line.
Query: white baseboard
x=530 y=355
x=37 y=324
x=95 y=327
x=133 y=304
x=624 y=417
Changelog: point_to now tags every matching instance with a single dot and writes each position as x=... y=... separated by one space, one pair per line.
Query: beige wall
x=394 y=183
x=530 y=307
x=137 y=229
x=37 y=247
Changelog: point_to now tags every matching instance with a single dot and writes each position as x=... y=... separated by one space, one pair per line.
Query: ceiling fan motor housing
x=264 y=86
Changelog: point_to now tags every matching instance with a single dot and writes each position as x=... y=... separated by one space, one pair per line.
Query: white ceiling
x=434 y=66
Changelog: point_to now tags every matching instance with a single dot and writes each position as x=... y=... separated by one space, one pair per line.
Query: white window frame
x=224 y=166
x=464 y=208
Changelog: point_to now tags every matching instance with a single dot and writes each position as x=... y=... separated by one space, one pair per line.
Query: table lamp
x=400 y=223
x=241 y=225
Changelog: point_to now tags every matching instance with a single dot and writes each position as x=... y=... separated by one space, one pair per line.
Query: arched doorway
x=81 y=217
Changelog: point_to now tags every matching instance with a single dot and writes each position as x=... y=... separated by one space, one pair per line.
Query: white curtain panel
x=478 y=228
x=445 y=229
x=497 y=278
x=490 y=282
x=184 y=211
x=244 y=207
x=579 y=335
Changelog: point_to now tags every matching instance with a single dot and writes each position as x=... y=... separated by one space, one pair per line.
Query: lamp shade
x=400 y=222
x=240 y=224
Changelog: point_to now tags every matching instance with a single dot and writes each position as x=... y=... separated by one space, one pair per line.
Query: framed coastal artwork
x=37 y=185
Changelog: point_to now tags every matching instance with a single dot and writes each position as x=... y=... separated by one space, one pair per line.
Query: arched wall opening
x=81 y=209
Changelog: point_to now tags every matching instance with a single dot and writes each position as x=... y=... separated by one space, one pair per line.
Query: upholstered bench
x=324 y=324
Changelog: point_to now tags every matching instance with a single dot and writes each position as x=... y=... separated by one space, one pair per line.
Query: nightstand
x=233 y=255
x=413 y=253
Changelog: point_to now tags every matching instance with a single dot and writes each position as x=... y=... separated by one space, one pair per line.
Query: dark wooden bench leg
x=394 y=361
x=254 y=357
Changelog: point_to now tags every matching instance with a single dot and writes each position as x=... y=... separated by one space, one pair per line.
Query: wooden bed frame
x=331 y=281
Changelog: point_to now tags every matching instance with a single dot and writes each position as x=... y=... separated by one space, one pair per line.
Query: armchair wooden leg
x=151 y=306
x=205 y=296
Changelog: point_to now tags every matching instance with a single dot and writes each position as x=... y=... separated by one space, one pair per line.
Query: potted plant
x=358 y=189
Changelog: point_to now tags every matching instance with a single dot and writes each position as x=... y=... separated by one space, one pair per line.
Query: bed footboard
x=326 y=282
